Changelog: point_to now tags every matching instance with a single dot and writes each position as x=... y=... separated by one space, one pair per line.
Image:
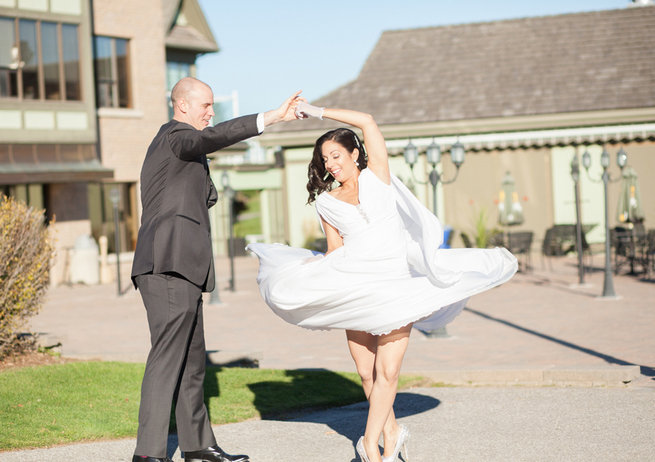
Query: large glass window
x=39 y=60
x=29 y=53
x=50 y=52
x=9 y=58
x=71 y=57
x=112 y=71
x=174 y=72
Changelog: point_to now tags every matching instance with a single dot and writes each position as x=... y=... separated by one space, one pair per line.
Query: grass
x=82 y=401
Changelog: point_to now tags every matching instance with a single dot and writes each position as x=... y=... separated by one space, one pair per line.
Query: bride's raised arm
x=376 y=149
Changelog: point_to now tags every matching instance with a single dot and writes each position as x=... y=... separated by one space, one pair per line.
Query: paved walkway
x=537 y=327
x=540 y=329
x=446 y=424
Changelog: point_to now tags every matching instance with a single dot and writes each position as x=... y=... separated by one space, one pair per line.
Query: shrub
x=25 y=253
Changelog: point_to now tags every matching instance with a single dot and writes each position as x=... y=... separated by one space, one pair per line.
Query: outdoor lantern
x=411 y=154
x=586 y=160
x=575 y=168
x=621 y=158
x=225 y=179
x=115 y=196
x=433 y=153
x=457 y=153
x=605 y=159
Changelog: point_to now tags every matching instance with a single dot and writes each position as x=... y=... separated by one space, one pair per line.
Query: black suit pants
x=175 y=370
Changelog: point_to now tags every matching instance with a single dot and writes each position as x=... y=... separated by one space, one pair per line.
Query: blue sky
x=269 y=49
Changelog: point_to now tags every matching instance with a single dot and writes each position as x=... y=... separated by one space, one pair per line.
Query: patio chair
x=520 y=244
x=560 y=240
x=551 y=246
x=630 y=247
x=650 y=252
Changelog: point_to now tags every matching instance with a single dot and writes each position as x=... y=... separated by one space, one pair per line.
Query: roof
x=186 y=27
x=594 y=61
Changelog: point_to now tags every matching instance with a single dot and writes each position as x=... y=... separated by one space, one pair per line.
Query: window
x=29 y=53
x=39 y=60
x=71 y=59
x=9 y=60
x=112 y=72
x=174 y=72
x=50 y=51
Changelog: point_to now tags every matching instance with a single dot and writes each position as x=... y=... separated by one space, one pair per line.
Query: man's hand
x=286 y=111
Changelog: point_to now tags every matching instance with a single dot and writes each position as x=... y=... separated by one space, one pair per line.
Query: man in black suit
x=173 y=265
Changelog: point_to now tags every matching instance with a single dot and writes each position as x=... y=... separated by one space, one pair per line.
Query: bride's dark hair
x=319 y=178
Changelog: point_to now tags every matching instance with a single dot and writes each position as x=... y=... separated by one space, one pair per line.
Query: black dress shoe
x=213 y=454
x=150 y=459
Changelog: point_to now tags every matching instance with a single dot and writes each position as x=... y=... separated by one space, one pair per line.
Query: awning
x=50 y=163
x=53 y=172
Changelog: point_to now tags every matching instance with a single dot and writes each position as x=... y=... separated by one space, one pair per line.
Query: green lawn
x=64 y=403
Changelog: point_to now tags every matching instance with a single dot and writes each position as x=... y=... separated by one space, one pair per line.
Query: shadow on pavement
x=645 y=370
x=350 y=421
x=347 y=420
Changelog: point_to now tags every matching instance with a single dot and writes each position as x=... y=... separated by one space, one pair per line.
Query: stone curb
x=582 y=376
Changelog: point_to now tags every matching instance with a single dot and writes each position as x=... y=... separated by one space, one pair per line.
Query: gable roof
x=186 y=27
x=595 y=61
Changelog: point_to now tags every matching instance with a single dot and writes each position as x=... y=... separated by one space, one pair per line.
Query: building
x=83 y=89
x=523 y=96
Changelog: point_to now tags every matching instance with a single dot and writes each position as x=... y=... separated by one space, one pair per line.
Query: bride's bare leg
x=363 y=347
x=388 y=359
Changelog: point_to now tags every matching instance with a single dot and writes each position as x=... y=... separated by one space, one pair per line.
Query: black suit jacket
x=176 y=193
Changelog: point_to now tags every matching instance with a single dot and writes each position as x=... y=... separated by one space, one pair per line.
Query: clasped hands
x=294 y=107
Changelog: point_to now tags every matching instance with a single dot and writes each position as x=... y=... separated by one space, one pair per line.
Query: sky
x=271 y=48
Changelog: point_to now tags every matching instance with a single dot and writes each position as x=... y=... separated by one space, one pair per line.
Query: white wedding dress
x=390 y=271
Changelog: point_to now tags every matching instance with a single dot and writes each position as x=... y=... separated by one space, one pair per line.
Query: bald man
x=173 y=265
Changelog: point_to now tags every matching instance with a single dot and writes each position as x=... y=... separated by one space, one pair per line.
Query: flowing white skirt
x=342 y=291
x=389 y=273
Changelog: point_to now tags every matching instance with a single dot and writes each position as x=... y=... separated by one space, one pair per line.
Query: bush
x=25 y=253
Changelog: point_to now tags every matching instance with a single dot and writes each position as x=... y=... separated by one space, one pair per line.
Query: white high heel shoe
x=403 y=436
x=361 y=451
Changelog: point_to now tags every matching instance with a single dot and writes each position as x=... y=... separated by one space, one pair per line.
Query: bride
x=383 y=271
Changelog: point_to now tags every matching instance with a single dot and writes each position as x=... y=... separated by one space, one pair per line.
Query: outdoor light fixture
x=115 y=198
x=229 y=195
x=621 y=161
x=433 y=153
x=411 y=154
x=457 y=153
x=621 y=158
x=433 y=156
x=575 y=174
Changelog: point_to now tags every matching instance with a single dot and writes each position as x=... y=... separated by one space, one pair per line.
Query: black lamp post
x=575 y=174
x=115 y=197
x=229 y=195
x=433 y=154
x=621 y=160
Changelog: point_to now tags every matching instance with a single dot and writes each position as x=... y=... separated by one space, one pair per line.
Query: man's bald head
x=185 y=88
x=193 y=102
